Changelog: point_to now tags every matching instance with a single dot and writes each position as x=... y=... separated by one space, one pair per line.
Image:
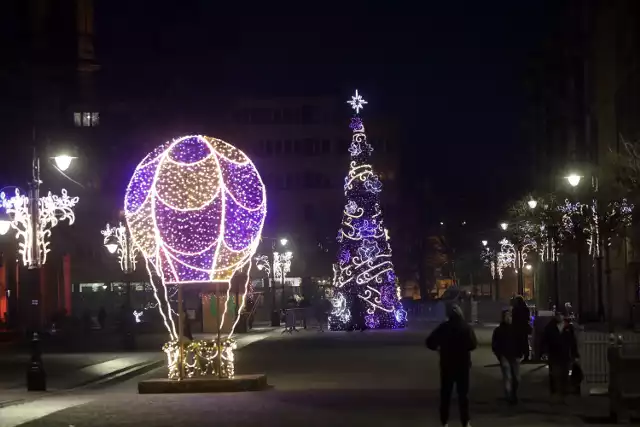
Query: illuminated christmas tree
x=365 y=284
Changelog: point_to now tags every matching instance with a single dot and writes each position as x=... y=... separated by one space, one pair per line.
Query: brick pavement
x=374 y=378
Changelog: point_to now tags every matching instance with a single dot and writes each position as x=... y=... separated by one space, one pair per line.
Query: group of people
x=455 y=339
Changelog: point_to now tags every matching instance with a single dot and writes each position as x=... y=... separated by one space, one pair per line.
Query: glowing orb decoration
x=195 y=207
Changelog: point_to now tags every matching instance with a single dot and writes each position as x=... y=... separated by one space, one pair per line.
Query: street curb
x=120 y=374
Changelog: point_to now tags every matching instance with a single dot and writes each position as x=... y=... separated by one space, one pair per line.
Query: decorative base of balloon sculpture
x=238 y=383
x=202 y=370
x=201 y=358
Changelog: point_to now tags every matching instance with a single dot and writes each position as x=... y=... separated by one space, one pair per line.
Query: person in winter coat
x=560 y=345
x=521 y=323
x=455 y=340
x=509 y=351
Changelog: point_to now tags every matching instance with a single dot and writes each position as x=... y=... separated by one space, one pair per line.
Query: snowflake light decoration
x=281 y=264
x=52 y=209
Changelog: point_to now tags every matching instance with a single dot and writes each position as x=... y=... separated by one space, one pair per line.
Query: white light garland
x=52 y=209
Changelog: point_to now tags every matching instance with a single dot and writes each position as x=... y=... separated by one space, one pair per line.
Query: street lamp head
x=504 y=226
x=574 y=180
x=485 y=243
x=260 y=267
x=289 y=254
x=284 y=242
x=532 y=203
x=63 y=162
x=528 y=267
x=111 y=247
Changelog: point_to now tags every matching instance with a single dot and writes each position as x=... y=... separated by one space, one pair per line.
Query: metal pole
x=36 y=376
x=218 y=320
x=579 y=268
x=607 y=260
x=520 y=265
x=497 y=278
x=601 y=314
x=180 y=333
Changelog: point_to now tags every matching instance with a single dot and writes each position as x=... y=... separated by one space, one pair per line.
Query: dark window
x=288 y=146
x=269 y=148
x=326 y=146
x=277 y=116
x=287 y=116
x=308 y=212
x=306 y=113
x=289 y=181
x=277 y=147
x=308 y=146
x=297 y=147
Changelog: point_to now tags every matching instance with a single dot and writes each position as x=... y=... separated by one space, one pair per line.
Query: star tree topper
x=357 y=103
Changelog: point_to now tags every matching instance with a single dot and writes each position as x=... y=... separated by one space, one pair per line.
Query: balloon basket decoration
x=195 y=207
x=201 y=358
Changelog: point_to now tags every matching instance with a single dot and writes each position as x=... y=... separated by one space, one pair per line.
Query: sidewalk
x=71 y=371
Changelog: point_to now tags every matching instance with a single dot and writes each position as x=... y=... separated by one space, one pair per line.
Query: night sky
x=452 y=71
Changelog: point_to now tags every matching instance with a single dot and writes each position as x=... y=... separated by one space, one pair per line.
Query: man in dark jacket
x=560 y=345
x=509 y=350
x=521 y=317
x=455 y=340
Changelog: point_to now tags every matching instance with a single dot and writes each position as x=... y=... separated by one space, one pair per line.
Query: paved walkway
x=377 y=378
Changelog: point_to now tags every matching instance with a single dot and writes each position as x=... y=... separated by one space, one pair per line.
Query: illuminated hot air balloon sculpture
x=196 y=207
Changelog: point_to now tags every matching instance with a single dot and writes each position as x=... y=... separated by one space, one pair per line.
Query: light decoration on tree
x=51 y=210
x=514 y=255
x=195 y=207
x=364 y=269
x=124 y=246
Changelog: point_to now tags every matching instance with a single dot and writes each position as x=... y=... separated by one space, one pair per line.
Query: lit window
x=86 y=119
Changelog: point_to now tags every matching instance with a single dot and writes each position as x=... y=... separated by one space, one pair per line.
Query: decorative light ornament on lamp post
x=117 y=239
x=282 y=266
x=33 y=222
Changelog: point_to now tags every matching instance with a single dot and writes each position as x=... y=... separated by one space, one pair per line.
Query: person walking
x=522 y=324
x=455 y=340
x=509 y=351
x=560 y=345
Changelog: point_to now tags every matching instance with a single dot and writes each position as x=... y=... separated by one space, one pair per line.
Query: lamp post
x=490 y=258
x=32 y=217
x=118 y=240
x=274 y=265
x=281 y=266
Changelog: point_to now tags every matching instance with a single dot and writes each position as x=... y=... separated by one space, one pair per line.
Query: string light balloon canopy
x=196 y=207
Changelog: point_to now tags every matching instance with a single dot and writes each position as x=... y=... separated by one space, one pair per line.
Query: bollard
x=36 y=375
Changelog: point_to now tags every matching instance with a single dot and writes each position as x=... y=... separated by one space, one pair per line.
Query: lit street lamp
x=33 y=217
x=573 y=179
x=63 y=162
x=532 y=203
x=504 y=226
